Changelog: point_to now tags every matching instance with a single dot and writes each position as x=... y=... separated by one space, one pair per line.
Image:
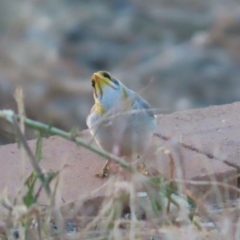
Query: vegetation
x=163 y=209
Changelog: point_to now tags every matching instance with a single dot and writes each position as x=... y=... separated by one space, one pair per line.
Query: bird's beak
x=98 y=86
x=96 y=77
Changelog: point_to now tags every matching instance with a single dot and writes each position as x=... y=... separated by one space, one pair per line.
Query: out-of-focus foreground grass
x=135 y=205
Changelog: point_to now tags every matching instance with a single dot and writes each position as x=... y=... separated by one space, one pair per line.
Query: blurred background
x=179 y=54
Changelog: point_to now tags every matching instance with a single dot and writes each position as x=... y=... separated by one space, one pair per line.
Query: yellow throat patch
x=99 y=109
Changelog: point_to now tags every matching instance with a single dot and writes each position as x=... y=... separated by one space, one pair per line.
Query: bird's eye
x=106 y=75
x=93 y=83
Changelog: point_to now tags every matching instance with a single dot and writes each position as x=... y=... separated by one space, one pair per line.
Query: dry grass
x=135 y=206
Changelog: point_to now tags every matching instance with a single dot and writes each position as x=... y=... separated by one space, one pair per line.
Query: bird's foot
x=142 y=169
x=105 y=172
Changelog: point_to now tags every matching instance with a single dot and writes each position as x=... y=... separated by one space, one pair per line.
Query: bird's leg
x=105 y=170
x=141 y=167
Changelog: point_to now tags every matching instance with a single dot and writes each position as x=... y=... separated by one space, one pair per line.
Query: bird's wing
x=140 y=103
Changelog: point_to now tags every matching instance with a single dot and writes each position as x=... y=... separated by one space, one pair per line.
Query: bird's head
x=106 y=89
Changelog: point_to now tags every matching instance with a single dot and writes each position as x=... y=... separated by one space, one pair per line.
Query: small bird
x=120 y=121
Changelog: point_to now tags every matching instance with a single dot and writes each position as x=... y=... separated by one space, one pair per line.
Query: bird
x=120 y=121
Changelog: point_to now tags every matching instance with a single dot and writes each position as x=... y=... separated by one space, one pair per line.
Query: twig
x=9 y=115
x=194 y=149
